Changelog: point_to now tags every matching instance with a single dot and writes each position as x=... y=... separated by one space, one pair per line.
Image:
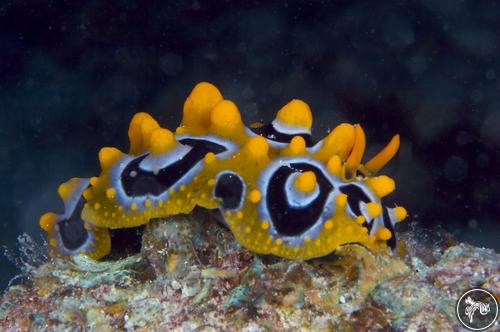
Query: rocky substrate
x=192 y=276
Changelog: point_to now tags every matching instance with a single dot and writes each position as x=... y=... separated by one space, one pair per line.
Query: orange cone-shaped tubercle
x=297 y=146
x=334 y=165
x=47 y=221
x=381 y=185
x=295 y=114
x=141 y=124
x=256 y=150
x=305 y=182
x=108 y=157
x=198 y=107
x=162 y=140
x=400 y=213
x=225 y=120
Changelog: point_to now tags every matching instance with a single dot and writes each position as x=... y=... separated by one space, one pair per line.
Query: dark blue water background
x=72 y=73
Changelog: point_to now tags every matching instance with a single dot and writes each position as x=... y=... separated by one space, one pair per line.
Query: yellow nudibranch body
x=278 y=191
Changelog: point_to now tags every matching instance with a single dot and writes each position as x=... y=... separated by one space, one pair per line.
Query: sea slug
x=279 y=192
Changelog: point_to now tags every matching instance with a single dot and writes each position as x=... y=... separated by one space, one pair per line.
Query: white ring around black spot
x=296 y=198
x=241 y=191
x=328 y=208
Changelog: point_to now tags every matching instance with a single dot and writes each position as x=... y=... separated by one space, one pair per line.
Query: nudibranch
x=279 y=192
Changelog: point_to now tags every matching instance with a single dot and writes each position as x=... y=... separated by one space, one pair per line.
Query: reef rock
x=190 y=275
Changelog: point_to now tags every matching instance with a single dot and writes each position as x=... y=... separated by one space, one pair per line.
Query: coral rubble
x=192 y=275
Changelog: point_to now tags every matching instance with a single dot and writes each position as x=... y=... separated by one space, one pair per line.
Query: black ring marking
x=147 y=183
x=388 y=224
x=72 y=231
x=229 y=188
x=288 y=220
x=268 y=131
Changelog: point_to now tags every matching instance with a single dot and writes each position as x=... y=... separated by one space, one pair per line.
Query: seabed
x=191 y=275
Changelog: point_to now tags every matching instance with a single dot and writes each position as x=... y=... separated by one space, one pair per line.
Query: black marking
x=294 y=221
x=388 y=224
x=268 y=131
x=355 y=195
x=72 y=231
x=230 y=189
x=138 y=182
